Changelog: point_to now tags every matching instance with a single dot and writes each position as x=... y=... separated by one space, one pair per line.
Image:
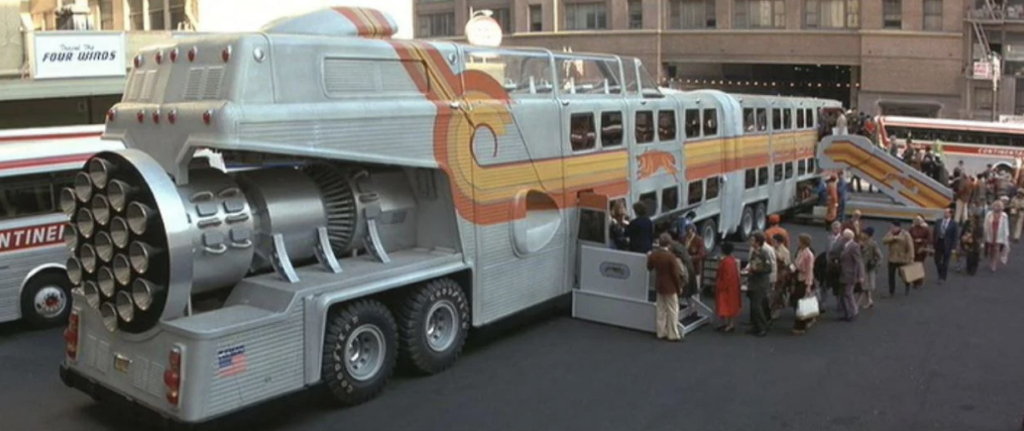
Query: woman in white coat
x=997 y=233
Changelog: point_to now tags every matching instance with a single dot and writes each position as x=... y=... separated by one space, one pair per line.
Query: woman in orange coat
x=832 y=210
x=727 y=289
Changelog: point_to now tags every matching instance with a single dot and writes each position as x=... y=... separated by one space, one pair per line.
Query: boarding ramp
x=617 y=289
x=907 y=191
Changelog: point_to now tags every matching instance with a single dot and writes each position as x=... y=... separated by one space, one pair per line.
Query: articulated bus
x=974 y=143
x=399 y=194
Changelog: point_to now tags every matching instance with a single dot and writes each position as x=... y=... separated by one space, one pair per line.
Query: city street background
x=945 y=358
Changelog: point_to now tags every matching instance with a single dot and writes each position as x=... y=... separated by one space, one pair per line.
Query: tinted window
x=644 y=127
x=650 y=200
x=582 y=137
x=669 y=198
x=787 y=119
x=592 y=226
x=711 y=191
x=696 y=192
x=611 y=129
x=800 y=119
x=762 y=119
x=801 y=167
x=710 y=122
x=762 y=176
x=776 y=119
x=666 y=125
x=789 y=170
x=692 y=123
x=810 y=166
x=750 y=179
x=749 y=121
x=26 y=196
x=778 y=172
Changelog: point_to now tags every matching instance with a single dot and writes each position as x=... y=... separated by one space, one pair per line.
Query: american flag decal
x=231 y=361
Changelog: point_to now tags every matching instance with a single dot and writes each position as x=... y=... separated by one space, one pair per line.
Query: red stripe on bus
x=45 y=137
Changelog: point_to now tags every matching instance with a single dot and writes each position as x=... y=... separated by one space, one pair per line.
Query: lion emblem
x=653 y=161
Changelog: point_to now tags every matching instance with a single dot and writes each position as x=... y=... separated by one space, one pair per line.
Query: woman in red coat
x=727 y=289
x=922 y=236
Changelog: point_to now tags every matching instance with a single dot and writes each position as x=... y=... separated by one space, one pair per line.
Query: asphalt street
x=948 y=357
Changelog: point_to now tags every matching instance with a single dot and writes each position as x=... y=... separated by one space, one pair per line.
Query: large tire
x=360 y=351
x=433 y=324
x=760 y=218
x=709 y=231
x=746 y=227
x=46 y=299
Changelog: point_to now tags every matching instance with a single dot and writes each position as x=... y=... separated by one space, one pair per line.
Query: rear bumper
x=100 y=393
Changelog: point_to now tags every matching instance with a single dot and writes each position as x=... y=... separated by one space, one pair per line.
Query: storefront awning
x=26 y=89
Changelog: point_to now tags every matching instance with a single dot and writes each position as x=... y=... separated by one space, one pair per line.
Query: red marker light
x=174 y=55
x=138 y=60
x=156 y=116
x=111 y=114
x=172 y=116
x=159 y=57
x=207 y=117
x=226 y=54
x=141 y=116
x=192 y=54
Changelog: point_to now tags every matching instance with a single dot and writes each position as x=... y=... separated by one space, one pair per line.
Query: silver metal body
x=370 y=165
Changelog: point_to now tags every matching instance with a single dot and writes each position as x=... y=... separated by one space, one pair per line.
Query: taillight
x=159 y=57
x=156 y=116
x=141 y=116
x=226 y=54
x=172 y=376
x=207 y=117
x=71 y=336
x=172 y=116
x=138 y=61
x=174 y=55
x=111 y=114
x=192 y=54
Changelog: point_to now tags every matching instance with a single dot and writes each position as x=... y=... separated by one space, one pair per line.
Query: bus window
x=762 y=119
x=778 y=172
x=669 y=199
x=749 y=125
x=611 y=129
x=809 y=118
x=762 y=175
x=644 y=127
x=582 y=137
x=666 y=125
x=810 y=165
x=692 y=123
x=789 y=170
x=801 y=167
x=750 y=179
x=710 y=122
x=592 y=226
x=800 y=119
x=776 y=119
x=26 y=196
x=696 y=192
x=787 y=119
x=712 y=188
x=650 y=200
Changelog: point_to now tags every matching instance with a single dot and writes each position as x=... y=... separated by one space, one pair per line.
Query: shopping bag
x=807 y=308
x=912 y=272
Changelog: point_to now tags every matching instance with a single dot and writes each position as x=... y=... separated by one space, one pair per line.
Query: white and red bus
x=974 y=143
x=35 y=164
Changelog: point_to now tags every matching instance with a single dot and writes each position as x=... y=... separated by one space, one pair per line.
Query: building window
x=135 y=10
x=760 y=14
x=437 y=25
x=636 y=14
x=933 y=15
x=892 y=14
x=982 y=99
x=692 y=14
x=102 y=12
x=503 y=18
x=832 y=14
x=536 y=18
x=585 y=16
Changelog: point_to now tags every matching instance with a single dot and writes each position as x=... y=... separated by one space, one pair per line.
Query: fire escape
x=983 y=65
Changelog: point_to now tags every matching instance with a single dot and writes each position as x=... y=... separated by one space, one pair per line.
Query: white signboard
x=982 y=70
x=64 y=54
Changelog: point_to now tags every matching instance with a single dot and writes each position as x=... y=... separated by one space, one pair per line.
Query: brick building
x=908 y=57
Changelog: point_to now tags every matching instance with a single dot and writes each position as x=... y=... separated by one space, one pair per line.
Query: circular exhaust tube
x=138 y=217
x=101 y=209
x=143 y=292
x=119 y=232
x=105 y=282
x=122 y=270
x=104 y=246
x=88 y=258
x=139 y=254
x=99 y=171
x=71 y=237
x=86 y=224
x=125 y=306
x=92 y=294
x=83 y=187
x=117 y=194
x=109 y=316
x=74 y=269
x=67 y=201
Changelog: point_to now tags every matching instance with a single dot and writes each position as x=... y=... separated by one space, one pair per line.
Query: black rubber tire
x=37 y=282
x=416 y=354
x=760 y=217
x=341 y=323
x=709 y=231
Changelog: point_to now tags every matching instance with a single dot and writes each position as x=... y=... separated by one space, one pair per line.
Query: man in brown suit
x=668 y=282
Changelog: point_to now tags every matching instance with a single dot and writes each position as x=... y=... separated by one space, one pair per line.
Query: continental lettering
x=31 y=237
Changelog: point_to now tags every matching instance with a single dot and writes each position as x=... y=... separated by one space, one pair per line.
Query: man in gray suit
x=852 y=264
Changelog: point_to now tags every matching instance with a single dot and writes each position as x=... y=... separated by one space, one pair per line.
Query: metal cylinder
x=288 y=203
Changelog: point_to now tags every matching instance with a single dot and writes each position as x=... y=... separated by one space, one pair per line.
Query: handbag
x=912 y=272
x=807 y=308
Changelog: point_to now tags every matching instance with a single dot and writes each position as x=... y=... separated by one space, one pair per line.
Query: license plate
x=122 y=363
